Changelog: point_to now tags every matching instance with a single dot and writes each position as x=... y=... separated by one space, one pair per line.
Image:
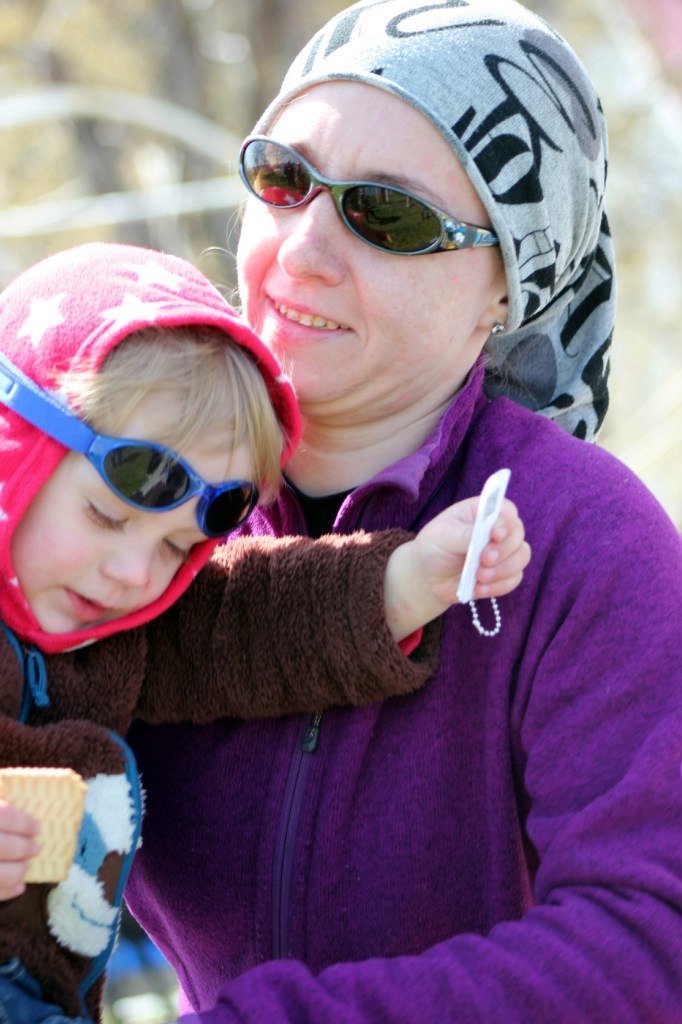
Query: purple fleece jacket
x=504 y=845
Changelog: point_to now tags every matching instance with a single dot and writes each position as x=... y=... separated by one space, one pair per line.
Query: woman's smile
x=309 y=319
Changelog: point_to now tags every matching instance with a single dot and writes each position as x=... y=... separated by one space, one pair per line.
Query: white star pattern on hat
x=132 y=309
x=44 y=314
x=154 y=273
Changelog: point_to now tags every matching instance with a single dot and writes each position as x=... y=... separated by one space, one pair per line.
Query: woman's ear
x=497 y=312
x=500 y=296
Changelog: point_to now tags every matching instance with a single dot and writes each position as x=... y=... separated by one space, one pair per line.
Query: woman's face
x=367 y=335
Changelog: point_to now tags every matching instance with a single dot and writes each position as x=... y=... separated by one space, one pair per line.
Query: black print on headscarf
x=505 y=148
x=508 y=144
x=343 y=30
x=394 y=31
x=596 y=375
x=524 y=152
x=592 y=300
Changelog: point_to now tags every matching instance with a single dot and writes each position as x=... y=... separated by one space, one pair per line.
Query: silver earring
x=497 y=328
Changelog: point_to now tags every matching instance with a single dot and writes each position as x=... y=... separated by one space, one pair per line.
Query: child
x=109 y=431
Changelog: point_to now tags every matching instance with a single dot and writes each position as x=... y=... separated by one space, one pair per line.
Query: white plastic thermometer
x=489 y=507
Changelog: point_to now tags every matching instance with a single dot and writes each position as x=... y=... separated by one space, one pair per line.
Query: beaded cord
x=477 y=622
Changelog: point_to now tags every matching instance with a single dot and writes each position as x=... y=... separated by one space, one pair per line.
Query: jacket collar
x=402 y=488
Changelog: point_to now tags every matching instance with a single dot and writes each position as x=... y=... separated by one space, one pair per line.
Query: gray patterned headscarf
x=519 y=111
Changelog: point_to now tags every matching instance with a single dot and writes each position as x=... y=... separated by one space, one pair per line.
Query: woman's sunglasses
x=386 y=217
x=144 y=474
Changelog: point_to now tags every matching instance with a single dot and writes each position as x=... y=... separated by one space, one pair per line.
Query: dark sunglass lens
x=145 y=476
x=275 y=174
x=228 y=510
x=391 y=219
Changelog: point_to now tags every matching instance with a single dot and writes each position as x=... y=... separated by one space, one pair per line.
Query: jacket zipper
x=286 y=836
x=99 y=964
x=293 y=800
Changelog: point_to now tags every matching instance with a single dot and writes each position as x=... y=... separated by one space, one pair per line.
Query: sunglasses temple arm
x=24 y=397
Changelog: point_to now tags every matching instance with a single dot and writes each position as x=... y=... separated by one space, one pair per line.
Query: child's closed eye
x=169 y=548
x=101 y=519
x=175 y=551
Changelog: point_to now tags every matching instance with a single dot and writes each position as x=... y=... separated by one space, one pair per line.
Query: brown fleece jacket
x=268 y=627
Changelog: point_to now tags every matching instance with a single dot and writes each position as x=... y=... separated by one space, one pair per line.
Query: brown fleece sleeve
x=273 y=626
x=83 y=746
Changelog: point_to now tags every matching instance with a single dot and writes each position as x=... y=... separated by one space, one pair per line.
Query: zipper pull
x=36 y=677
x=312 y=734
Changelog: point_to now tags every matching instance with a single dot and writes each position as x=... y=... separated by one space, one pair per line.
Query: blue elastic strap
x=21 y=394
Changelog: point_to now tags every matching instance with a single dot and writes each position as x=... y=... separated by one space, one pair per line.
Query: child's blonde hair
x=216 y=382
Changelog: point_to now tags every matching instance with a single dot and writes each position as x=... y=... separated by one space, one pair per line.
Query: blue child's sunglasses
x=144 y=474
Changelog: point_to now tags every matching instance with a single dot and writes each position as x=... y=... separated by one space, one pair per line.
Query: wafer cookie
x=56 y=797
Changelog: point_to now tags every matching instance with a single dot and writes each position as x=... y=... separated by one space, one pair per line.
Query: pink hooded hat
x=78 y=305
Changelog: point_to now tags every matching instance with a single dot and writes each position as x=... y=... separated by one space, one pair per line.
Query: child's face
x=82 y=556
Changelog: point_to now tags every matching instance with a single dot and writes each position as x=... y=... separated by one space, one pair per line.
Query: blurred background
x=122 y=122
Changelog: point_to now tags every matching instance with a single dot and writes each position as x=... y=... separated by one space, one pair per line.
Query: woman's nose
x=314 y=240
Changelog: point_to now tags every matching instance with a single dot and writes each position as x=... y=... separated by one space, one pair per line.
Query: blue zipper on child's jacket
x=34 y=674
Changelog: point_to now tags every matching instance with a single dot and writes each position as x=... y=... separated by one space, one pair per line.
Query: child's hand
x=441 y=546
x=422 y=576
x=18 y=844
